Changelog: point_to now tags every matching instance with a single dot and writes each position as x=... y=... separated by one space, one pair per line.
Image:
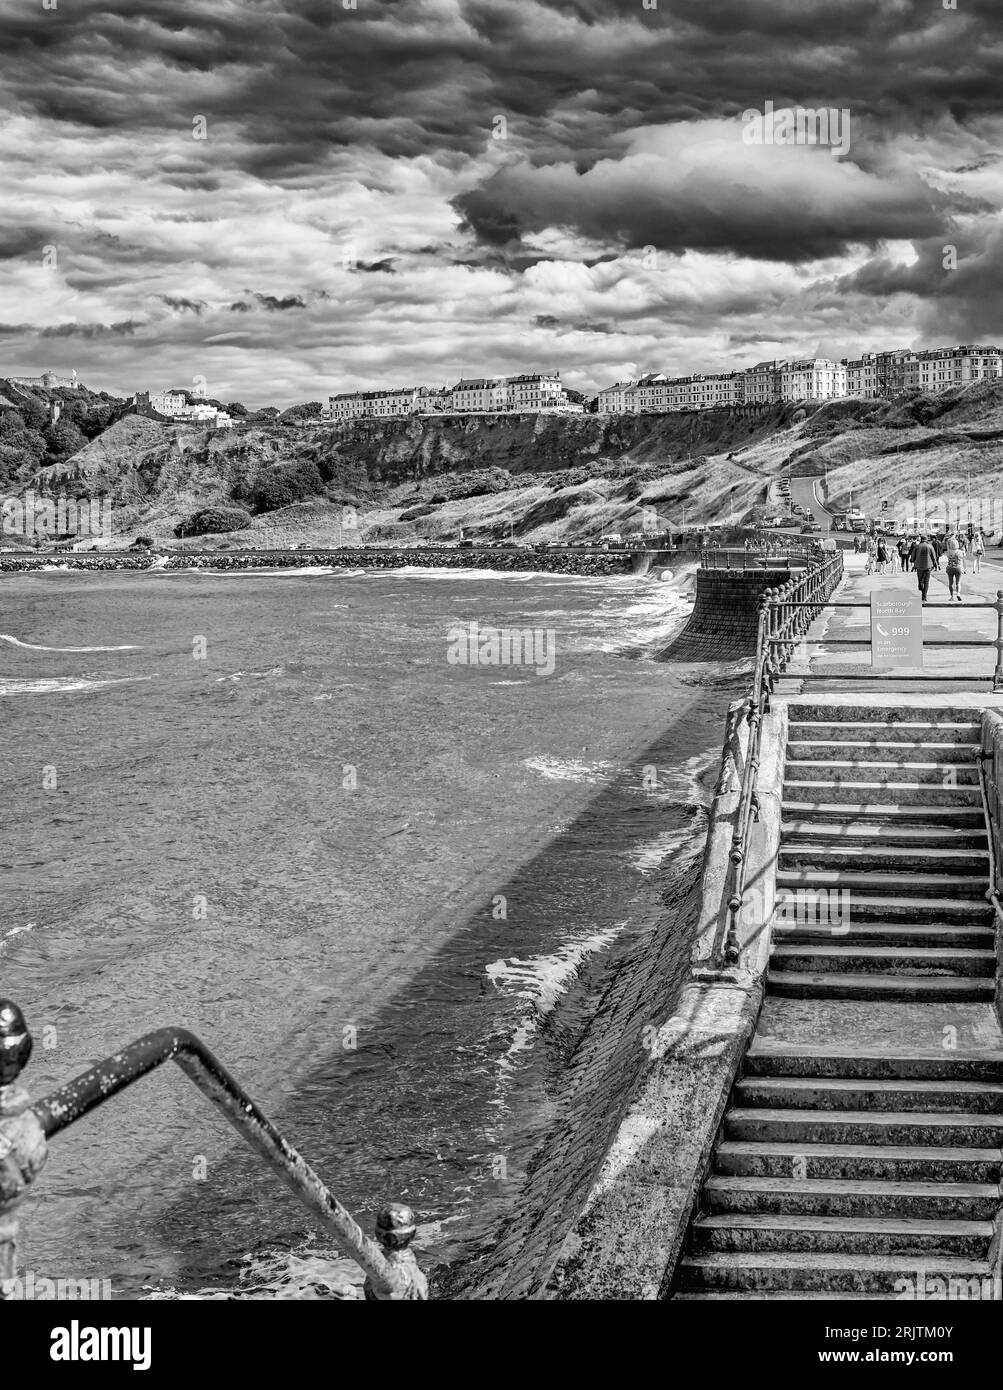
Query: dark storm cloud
x=301 y=78
x=194 y=306
x=373 y=128
x=91 y=330
x=289 y=301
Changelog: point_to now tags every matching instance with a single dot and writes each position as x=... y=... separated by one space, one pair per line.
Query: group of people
x=923 y=554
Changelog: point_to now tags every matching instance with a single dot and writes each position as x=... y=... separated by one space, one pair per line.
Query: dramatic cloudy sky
x=351 y=217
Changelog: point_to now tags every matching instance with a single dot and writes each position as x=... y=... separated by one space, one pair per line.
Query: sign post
x=896 y=629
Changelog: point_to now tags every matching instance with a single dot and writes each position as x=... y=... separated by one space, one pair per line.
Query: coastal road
x=803 y=491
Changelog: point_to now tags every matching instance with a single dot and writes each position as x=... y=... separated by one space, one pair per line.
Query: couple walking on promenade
x=926 y=558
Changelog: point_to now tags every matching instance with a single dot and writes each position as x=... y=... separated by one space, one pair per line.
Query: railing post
x=391 y=1269
x=395 y=1230
x=998 y=673
x=22 y=1142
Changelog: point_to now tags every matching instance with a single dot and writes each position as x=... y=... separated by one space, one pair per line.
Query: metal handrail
x=781 y=624
x=391 y=1269
x=992 y=894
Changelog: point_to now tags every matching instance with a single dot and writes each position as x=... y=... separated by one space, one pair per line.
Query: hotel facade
x=875 y=374
x=534 y=392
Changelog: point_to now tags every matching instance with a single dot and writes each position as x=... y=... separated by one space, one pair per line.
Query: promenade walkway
x=848 y=668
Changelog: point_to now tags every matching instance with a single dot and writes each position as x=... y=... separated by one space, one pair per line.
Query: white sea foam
x=460 y=572
x=257 y=675
x=649 y=856
x=541 y=980
x=62 y=685
x=15 y=931
x=568 y=770
x=34 y=646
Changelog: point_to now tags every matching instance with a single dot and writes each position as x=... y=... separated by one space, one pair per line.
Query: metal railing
x=759 y=555
x=391 y=1269
x=902 y=674
x=785 y=615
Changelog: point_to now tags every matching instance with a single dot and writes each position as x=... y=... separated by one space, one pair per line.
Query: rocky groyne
x=552 y=562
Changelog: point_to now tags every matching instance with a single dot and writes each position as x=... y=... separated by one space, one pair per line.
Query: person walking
x=903 y=550
x=955 y=561
x=924 y=562
x=872 y=551
x=978 y=550
x=882 y=553
x=911 y=553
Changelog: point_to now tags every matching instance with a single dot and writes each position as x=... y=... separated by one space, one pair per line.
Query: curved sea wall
x=725 y=618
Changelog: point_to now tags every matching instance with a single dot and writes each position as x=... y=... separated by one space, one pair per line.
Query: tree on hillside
x=235 y=408
x=213 y=520
x=63 y=439
x=280 y=487
x=23 y=448
x=34 y=414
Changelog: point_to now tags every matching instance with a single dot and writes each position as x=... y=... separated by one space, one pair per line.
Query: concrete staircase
x=883 y=826
x=843 y=1169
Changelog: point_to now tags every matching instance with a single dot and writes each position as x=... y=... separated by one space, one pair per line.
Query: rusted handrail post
x=22 y=1141
x=392 y=1273
x=998 y=673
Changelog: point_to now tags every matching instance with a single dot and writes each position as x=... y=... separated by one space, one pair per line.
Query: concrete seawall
x=723 y=624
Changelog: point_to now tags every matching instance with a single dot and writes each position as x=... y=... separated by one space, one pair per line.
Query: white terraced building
x=872 y=374
x=532 y=393
x=174 y=404
x=812 y=379
x=379 y=404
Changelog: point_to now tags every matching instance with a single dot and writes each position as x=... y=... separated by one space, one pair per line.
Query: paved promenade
x=953 y=621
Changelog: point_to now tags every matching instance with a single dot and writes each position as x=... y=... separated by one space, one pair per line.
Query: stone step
x=882 y=934
x=883 y=960
x=885 y=816
x=762 y=1295
x=883 y=834
x=847 y=1273
x=813 y=712
x=868 y=791
x=872 y=881
x=799 y=854
x=892 y=751
x=867 y=731
x=760 y=1125
x=869 y=1235
x=920 y=1201
x=872 y=907
x=889 y=1162
x=945 y=1095
x=885 y=773
x=789 y=984
x=821 y=1060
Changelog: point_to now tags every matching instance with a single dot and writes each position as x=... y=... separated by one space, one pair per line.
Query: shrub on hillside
x=288 y=483
x=211 y=520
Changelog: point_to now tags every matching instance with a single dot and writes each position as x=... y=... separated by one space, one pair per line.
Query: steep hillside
x=526 y=476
